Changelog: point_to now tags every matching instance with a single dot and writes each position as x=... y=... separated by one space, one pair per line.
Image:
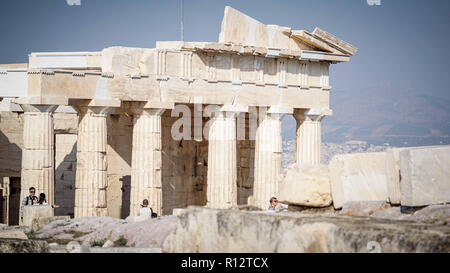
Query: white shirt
x=147 y=211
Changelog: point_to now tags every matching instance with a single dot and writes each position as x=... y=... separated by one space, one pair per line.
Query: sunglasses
x=32 y=192
x=275 y=201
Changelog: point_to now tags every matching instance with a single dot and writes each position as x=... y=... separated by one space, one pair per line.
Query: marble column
x=91 y=176
x=38 y=151
x=268 y=150
x=222 y=169
x=308 y=136
x=146 y=161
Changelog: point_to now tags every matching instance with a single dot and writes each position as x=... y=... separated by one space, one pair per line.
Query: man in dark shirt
x=29 y=201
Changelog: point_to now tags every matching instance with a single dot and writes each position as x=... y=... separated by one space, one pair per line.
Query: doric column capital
x=138 y=108
x=311 y=114
x=38 y=103
x=93 y=110
x=278 y=112
x=94 y=106
x=225 y=111
x=38 y=108
x=234 y=108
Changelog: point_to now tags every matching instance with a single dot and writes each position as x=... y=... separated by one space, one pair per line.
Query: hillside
x=398 y=117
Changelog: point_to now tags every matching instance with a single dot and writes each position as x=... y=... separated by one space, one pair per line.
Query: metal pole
x=182 y=20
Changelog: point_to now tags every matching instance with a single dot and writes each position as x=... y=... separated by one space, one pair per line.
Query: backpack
x=30 y=200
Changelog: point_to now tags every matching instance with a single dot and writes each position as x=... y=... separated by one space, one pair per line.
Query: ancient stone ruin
x=195 y=128
x=95 y=129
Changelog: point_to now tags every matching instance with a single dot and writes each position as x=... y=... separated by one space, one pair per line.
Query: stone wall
x=11 y=142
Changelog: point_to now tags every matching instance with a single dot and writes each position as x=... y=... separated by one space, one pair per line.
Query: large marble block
x=425 y=176
x=393 y=172
x=33 y=212
x=358 y=177
x=305 y=185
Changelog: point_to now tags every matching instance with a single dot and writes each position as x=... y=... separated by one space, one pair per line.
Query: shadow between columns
x=126 y=190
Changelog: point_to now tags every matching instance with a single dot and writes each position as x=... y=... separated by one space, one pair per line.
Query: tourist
x=30 y=200
x=145 y=210
x=273 y=203
x=43 y=200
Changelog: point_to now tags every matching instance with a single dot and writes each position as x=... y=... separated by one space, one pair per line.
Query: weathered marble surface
x=87 y=231
x=358 y=177
x=208 y=230
x=23 y=246
x=36 y=211
x=305 y=185
x=425 y=176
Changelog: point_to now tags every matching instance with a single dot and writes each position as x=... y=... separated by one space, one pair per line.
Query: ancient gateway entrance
x=185 y=123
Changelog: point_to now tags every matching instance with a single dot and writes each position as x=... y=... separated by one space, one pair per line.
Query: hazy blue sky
x=402 y=43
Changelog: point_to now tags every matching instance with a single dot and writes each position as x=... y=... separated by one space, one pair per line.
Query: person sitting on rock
x=43 y=200
x=30 y=200
x=145 y=210
x=273 y=203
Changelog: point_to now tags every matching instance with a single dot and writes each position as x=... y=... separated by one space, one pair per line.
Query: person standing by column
x=29 y=200
x=273 y=203
x=145 y=209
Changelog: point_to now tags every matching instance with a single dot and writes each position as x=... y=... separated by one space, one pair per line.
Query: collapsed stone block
x=425 y=176
x=305 y=185
x=40 y=222
x=34 y=212
x=13 y=234
x=358 y=177
x=363 y=208
x=134 y=219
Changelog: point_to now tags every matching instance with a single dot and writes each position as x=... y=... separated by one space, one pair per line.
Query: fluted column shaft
x=309 y=135
x=38 y=151
x=268 y=149
x=146 y=161
x=91 y=176
x=222 y=168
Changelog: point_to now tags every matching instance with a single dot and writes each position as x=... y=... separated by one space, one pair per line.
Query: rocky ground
x=90 y=233
x=358 y=227
x=378 y=229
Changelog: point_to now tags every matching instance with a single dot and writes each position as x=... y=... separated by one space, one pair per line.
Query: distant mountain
x=400 y=117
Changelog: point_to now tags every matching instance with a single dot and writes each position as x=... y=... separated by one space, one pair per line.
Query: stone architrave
x=91 y=177
x=38 y=151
